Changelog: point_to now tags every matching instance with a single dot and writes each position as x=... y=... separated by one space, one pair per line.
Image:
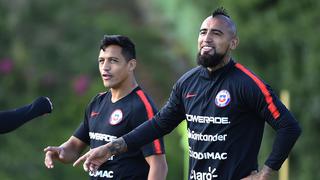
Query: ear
x=234 y=43
x=132 y=64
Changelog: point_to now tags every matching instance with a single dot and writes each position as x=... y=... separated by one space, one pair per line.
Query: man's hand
x=94 y=158
x=53 y=153
x=67 y=152
x=266 y=173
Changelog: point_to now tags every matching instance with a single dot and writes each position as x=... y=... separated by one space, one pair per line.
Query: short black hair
x=128 y=47
x=220 y=11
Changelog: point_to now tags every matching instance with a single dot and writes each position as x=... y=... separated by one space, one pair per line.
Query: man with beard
x=226 y=107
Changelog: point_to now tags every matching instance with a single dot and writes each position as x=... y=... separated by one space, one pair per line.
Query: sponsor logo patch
x=223 y=98
x=116 y=117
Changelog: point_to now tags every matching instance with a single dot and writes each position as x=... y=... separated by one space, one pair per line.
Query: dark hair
x=220 y=11
x=128 y=48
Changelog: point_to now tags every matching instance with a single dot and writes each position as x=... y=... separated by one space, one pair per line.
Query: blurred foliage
x=50 y=48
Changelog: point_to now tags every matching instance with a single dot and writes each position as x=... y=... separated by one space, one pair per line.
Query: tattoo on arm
x=117 y=146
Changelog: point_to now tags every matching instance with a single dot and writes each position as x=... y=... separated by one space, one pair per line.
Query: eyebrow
x=111 y=57
x=212 y=30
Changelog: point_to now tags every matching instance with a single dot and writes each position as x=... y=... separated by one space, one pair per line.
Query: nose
x=207 y=38
x=106 y=66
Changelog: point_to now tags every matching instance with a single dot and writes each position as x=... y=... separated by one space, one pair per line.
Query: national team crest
x=223 y=98
x=116 y=117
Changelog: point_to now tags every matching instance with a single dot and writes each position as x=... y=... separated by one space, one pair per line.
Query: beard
x=207 y=60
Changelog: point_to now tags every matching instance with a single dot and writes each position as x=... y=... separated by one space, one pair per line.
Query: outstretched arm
x=12 y=119
x=162 y=123
x=94 y=158
x=67 y=152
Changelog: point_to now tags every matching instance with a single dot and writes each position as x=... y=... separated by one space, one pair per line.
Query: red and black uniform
x=226 y=112
x=105 y=121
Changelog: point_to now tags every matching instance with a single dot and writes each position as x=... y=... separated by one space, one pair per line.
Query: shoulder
x=98 y=98
x=190 y=74
x=243 y=75
x=245 y=79
x=142 y=102
x=142 y=98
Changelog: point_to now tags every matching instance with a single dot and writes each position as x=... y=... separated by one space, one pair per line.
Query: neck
x=119 y=93
x=224 y=62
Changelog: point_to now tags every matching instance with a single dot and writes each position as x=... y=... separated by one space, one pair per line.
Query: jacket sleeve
x=12 y=119
x=141 y=112
x=269 y=107
x=162 y=123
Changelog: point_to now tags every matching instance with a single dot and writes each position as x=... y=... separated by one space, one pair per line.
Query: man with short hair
x=111 y=115
x=226 y=107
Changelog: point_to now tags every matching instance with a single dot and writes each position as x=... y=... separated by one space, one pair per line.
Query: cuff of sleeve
x=273 y=165
x=42 y=105
x=128 y=142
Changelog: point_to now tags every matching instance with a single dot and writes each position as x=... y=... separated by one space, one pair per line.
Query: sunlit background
x=50 y=48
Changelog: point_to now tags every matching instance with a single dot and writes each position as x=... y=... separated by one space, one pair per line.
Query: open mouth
x=106 y=76
x=207 y=49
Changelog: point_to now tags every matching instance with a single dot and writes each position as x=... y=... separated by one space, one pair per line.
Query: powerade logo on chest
x=223 y=98
x=116 y=117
